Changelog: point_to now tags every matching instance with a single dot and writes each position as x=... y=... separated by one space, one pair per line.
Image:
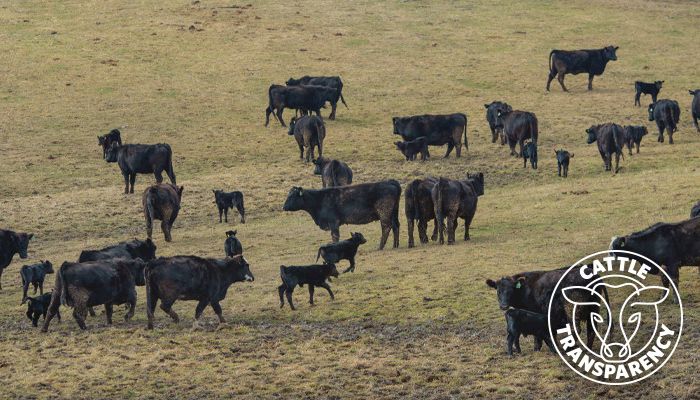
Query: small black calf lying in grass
x=312 y=275
x=412 y=148
x=38 y=306
x=34 y=274
x=523 y=322
x=563 y=159
x=232 y=246
x=342 y=250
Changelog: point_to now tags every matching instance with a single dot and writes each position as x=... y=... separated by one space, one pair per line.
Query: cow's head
x=658 y=84
x=592 y=134
x=643 y=131
x=398 y=126
x=507 y=290
x=357 y=237
x=330 y=270
x=47 y=266
x=477 y=181
x=501 y=114
x=136 y=267
x=293 y=82
x=295 y=199
x=146 y=249
x=694 y=92
x=319 y=164
x=112 y=153
x=400 y=146
x=179 y=191
x=242 y=268
x=610 y=52
x=231 y=233
x=21 y=242
x=652 y=106
x=292 y=123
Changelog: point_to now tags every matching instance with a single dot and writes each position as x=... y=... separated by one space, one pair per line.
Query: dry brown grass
x=416 y=323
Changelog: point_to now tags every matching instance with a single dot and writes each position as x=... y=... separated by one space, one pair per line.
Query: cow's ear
x=520 y=282
x=486 y=106
x=30 y=236
x=491 y=283
x=301 y=192
x=617 y=47
x=234 y=232
x=571 y=155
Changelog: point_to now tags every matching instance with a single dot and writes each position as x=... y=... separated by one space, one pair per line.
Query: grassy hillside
x=409 y=323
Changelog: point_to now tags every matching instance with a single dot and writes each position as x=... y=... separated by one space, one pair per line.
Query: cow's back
x=521 y=125
x=190 y=276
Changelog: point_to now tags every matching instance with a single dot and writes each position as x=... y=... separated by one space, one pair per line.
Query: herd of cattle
x=109 y=276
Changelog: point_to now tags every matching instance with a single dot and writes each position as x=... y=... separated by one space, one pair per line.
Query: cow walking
x=652 y=89
x=142 y=159
x=226 y=200
x=333 y=172
x=456 y=199
x=610 y=138
x=34 y=275
x=105 y=141
x=310 y=275
x=12 y=243
x=563 y=160
x=328 y=81
x=592 y=62
x=419 y=207
x=439 y=130
x=633 y=136
x=305 y=98
x=666 y=113
x=309 y=132
x=161 y=201
x=517 y=126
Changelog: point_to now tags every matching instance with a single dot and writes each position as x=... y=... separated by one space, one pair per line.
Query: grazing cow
x=105 y=141
x=142 y=159
x=12 y=243
x=530 y=152
x=666 y=113
x=34 y=275
x=517 y=126
x=38 y=307
x=533 y=291
x=192 y=278
x=454 y=199
x=419 y=207
x=438 y=129
x=652 y=89
x=592 y=62
x=306 y=97
x=412 y=148
x=669 y=245
x=309 y=131
x=492 y=110
x=232 y=246
x=523 y=322
x=357 y=204
x=311 y=275
x=226 y=200
x=161 y=201
x=633 y=136
x=327 y=81
x=143 y=249
x=695 y=107
x=695 y=211
x=610 y=138
x=332 y=253
x=563 y=159
x=333 y=172
x=83 y=285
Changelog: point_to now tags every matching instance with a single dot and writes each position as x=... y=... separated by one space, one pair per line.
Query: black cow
x=311 y=275
x=419 y=207
x=142 y=159
x=143 y=249
x=533 y=291
x=592 y=62
x=328 y=81
x=517 y=126
x=34 y=275
x=669 y=245
x=38 y=307
x=333 y=172
x=332 y=253
x=161 y=201
x=12 y=243
x=357 y=204
x=530 y=152
x=563 y=159
x=454 y=199
x=309 y=131
x=438 y=129
x=633 y=136
x=105 y=141
x=226 y=200
x=695 y=211
x=610 y=138
x=412 y=148
x=192 y=278
x=307 y=97
x=523 y=322
x=652 y=89
x=83 y=285
x=695 y=107
x=232 y=246
x=492 y=110
x=666 y=113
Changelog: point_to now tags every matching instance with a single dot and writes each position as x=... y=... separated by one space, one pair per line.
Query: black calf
x=34 y=275
x=412 y=148
x=342 y=250
x=312 y=275
x=225 y=200
x=563 y=158
x=38 y=306
x=522 y=322
x=530 y=152
x=652 y=89
x=232 y=246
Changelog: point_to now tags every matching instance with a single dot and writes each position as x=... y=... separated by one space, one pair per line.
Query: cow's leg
x=41 y=287
x=226 y=215
x=538 y=344
x=328 y=288
x=288 y=292
x=132 y=181
x=151 y=301
x=221 y=212
x=334 y=105
x=510 y=340
x=423 y=231
x=517 y=343
x=126 y=176
x=279 y=116
x=590 y=81
x=149 y=226
x=167 y=306
x=386 y=228
x=559 y=169
x=165 y=227
x=617 y=162
x=637 y=145
x=219 y=312
x=434 y=236
x=521 y=144
x=560 y=78
x=395 y=228
x=450 y=146
x=636 y=99
x=511 y=144
x=52 y=309
x=550 y=345
x=351 y=268
x=695 y=122
x=670 y=134
x=335 y=234
x=550 y=77
x=268 y=111
x=280 y=290
x=661 y=133
x=311 y=294
x=109 y=310
x=199 y=310
x=566 y=170
x=301 y=151
x=25 y=288
x=131 y=304
x=158 y=173
x=36 y=287
x=590 y=333
x=440 y=224
x=91 y=311
x=80 y=319
x=410 y=222
x=451 y=222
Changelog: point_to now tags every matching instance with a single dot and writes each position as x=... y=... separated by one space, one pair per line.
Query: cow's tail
x=534 y=129
x=466 y=142
x=618 y=145
x=269 y=99
x=551 y=53
x=61 y=288
x=151 y=292
x=343 y=100
x=171 y=171
x=441 y=187
x=414 y=186
x=150 y=206
x=395 y=211
x=318 y=255
x=334 y=173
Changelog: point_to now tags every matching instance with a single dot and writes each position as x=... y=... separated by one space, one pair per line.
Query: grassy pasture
x=409 y=323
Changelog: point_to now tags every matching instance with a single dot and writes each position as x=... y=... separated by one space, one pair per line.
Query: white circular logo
x=623 y=325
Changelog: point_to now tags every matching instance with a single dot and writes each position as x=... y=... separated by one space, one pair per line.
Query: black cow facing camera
x=105 y=141
x=312 y=275
x=232 y=246
x=226 y=200
x=342 y=250
x=34 y=275
x=530 y=152
x=563 y=159
x=38 y=306
x=522 y=322
x=411 y=148
x=652 y=89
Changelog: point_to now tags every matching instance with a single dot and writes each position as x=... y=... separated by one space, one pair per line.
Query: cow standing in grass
x=143 y=249
x=309 y=131
x=456 y=199
x=634 y=135
x=592 y=62
x=142 y=159
x=492 y=110
x=695 y=107
x=328 y=81
x=12 y=243
x=357 y=204
x=666 y=113
x=419 y=207
x=517 y=126
x=652 y=89
x=305 y=98
x=333 y=172
x=34 y=275
x=105 y=141
x=610 y=138
x=162 y=202
x=439 y=130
